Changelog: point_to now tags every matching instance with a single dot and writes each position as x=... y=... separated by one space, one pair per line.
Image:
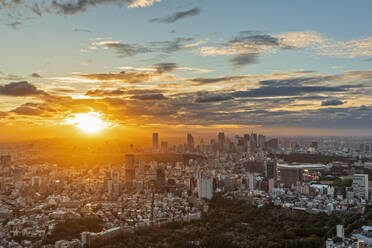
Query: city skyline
x=128 y=68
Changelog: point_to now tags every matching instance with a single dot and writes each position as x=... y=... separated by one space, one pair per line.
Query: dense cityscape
x=175 y=183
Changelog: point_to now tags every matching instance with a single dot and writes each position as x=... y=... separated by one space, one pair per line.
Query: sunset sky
x=282 y=67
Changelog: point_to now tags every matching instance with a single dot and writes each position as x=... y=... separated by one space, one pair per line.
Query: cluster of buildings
x=34 y=199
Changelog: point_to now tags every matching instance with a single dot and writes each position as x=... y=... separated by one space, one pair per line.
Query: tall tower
x=129 y=169
x=221 y=141
x=190 y=142
x=155 y=141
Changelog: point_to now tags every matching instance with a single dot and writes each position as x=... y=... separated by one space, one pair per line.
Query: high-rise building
x=155 y=141
x=115 y=178
x=254 y=139
x=360 y=186
x=129 y=168
x=221 y=141
x=190 y=142
x=205 y=187
x=164 y=146
x=271 y=169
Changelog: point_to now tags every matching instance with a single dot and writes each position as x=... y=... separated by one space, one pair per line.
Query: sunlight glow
x=88 y=122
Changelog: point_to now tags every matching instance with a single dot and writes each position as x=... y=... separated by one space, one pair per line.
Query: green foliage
x=235 y=223
x=72 y=228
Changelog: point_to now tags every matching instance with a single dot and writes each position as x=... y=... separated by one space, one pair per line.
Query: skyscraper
x=221 y=141
x=271 y=169
x=129 y=168
x=164 y=146
x=190 y=142
x=155 y=141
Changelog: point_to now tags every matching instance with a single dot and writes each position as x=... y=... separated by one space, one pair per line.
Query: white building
x=340 y=231
x=360 y=186
x=205 y=187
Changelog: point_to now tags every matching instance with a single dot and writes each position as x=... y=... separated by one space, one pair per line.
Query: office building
x=155 y=141
x=271 y=169
x=164 y=146
x=190 y=143
x=205 y=186
x=129 y=168
x=360 y=186
x=221 y=141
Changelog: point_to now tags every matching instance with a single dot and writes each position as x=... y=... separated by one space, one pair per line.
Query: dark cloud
x=22 y=88
x=125 y=50
x=245 y=59
x=74 y=7
x=82 y=30
x=177 y=16
x=201 y=81
x=255 y=38
x=149 y=97
x=170 y=46
x=165 y=67
x=206 y=97
x=35 y=75
x=100 y=92
x=268 y=91
x=332 y=102
x=120 y=92
x=293 y=81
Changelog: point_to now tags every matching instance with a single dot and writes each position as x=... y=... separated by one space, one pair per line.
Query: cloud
x=247 y=46
x=82 y=30
x=150 y=97
x=142 y=3
x=245 y=59
x=24 y=110
x=177 y=16
x=74 y=7
x=171 y=46
x=121 y=91
x=123 y=50
x=206 y=97
x=35 y=75
x=16 y=8
x=270 y=91
x=22 y=88
x=332 y=102
x=126 y=77
x=165 y=67
x=202 y=81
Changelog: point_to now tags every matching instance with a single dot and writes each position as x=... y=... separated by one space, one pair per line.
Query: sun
x=88 y=122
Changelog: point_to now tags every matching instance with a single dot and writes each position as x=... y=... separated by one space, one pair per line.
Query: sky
x=282 y=67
